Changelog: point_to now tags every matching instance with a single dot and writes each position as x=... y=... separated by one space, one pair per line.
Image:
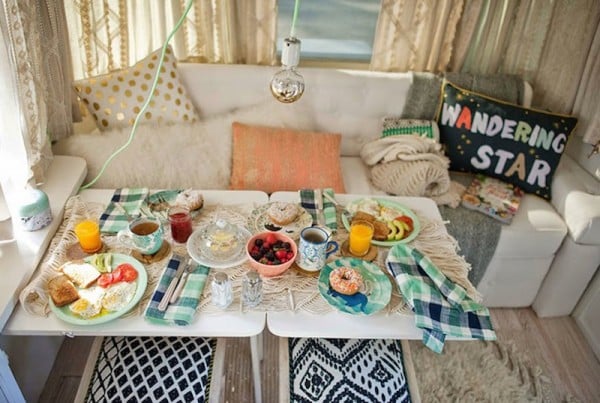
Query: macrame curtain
x=545 y=42
x=39 y=78
x=111 y=34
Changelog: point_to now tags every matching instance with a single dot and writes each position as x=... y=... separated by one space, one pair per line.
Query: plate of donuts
x=287 y=218
x=354 y=286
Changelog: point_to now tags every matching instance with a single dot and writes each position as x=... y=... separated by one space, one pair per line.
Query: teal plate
x=396 y=206
x=65 y=314
x=374 y=295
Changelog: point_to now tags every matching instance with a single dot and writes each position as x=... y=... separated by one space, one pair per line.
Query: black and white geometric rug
x=152 y=369
x=347 y=370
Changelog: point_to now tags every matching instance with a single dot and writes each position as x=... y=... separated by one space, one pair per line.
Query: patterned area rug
x=480 y=371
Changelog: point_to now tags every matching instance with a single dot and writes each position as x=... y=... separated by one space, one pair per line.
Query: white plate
x=193 y=248
x=259 y=221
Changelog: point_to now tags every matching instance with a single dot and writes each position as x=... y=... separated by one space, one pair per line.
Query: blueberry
x=258 y=242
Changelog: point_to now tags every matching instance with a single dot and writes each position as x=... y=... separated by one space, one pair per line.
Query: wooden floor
x=556 y=344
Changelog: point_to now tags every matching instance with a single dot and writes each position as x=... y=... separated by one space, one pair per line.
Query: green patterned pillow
x=400 y=126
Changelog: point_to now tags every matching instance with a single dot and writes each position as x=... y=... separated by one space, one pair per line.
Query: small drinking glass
x=222 y=294
x=252 y=289
x=88 y=235
x=361 y=234
x=181 y=223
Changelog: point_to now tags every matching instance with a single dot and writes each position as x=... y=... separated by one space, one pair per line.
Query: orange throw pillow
x=276 y=159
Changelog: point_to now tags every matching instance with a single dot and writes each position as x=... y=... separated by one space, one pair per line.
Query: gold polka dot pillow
x=116 y=98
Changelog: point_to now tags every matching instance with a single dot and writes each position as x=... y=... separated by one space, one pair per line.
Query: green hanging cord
x=294 y=18
x=145 y=106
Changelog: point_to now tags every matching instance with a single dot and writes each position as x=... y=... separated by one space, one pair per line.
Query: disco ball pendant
x=287 y=85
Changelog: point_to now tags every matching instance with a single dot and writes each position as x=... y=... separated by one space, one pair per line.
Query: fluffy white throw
x=410 y=165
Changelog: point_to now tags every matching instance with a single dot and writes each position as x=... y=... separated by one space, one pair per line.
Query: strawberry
x=271 y=239
x=281 y=254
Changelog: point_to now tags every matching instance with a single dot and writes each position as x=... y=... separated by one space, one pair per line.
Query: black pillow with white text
x=502 y=140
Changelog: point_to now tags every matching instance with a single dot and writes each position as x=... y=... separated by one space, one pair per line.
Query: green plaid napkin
x=114 y=219
x=308 y=200
x=183 y=310
x=441 y=307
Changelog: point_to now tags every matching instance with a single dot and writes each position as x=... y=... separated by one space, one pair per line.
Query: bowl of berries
x=271 y=253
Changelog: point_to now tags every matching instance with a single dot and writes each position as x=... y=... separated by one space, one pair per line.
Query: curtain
x=544 y=41
x=587 y=101
x=112 y=34
x=35 y=36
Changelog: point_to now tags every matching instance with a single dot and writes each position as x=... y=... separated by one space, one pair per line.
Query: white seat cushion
x=576 y=196
x=356 y=175
x=537 y=230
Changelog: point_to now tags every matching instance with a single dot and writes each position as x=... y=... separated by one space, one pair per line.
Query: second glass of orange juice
x=361 y=233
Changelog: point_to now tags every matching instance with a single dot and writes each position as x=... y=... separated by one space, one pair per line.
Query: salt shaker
x=222 y=294
x=252 y=289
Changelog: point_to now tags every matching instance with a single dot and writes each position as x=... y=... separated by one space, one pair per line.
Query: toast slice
x=62 y=291
x=81 y=274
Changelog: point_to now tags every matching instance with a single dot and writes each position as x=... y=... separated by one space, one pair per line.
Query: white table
x=224 y=324
x=341 y=325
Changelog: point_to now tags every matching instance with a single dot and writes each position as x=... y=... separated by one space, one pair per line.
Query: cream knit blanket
x=410 y=165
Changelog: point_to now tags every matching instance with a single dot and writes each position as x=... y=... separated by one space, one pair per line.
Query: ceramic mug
x=314 y=248
x=144 y=234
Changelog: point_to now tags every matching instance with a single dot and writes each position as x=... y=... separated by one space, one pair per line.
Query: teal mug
x=144 y=234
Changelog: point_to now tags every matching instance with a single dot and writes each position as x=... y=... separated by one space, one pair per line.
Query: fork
x=189 y=268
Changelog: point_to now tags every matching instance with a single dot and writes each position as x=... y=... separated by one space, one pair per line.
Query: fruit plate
x=373 y=296
x=355 y=205
x=259 y=221
x=65 y=314
x=195 y=251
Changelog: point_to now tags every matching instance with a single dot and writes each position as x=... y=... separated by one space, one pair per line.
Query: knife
x=164 y=302
x=189 y=268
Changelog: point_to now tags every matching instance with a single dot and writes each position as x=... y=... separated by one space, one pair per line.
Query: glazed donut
x=345 y=280
x=282 y=213
x=191 y=199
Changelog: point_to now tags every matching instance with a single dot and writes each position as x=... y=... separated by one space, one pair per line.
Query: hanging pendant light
x=287 y=85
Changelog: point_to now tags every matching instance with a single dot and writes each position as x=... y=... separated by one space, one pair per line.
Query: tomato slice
x=105 y=280
x=129 y=272
x=117 y=275
x=407 y=220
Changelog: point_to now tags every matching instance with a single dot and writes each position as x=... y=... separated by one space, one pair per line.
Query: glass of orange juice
x=361 y=233
x=88 y=235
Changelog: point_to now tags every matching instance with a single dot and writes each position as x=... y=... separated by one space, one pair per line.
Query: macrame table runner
x=290 y=291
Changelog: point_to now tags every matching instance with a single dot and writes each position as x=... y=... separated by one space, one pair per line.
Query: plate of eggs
x=97 y=289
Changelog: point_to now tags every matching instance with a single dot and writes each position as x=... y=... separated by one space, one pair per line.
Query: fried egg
x=388 y=213
x=117 y=296
x=369 y=206
x=89 y=304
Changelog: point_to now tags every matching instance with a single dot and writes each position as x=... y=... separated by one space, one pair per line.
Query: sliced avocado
x=400 y=229
x=406 y=226
x=393 y=230
x=107 y=262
